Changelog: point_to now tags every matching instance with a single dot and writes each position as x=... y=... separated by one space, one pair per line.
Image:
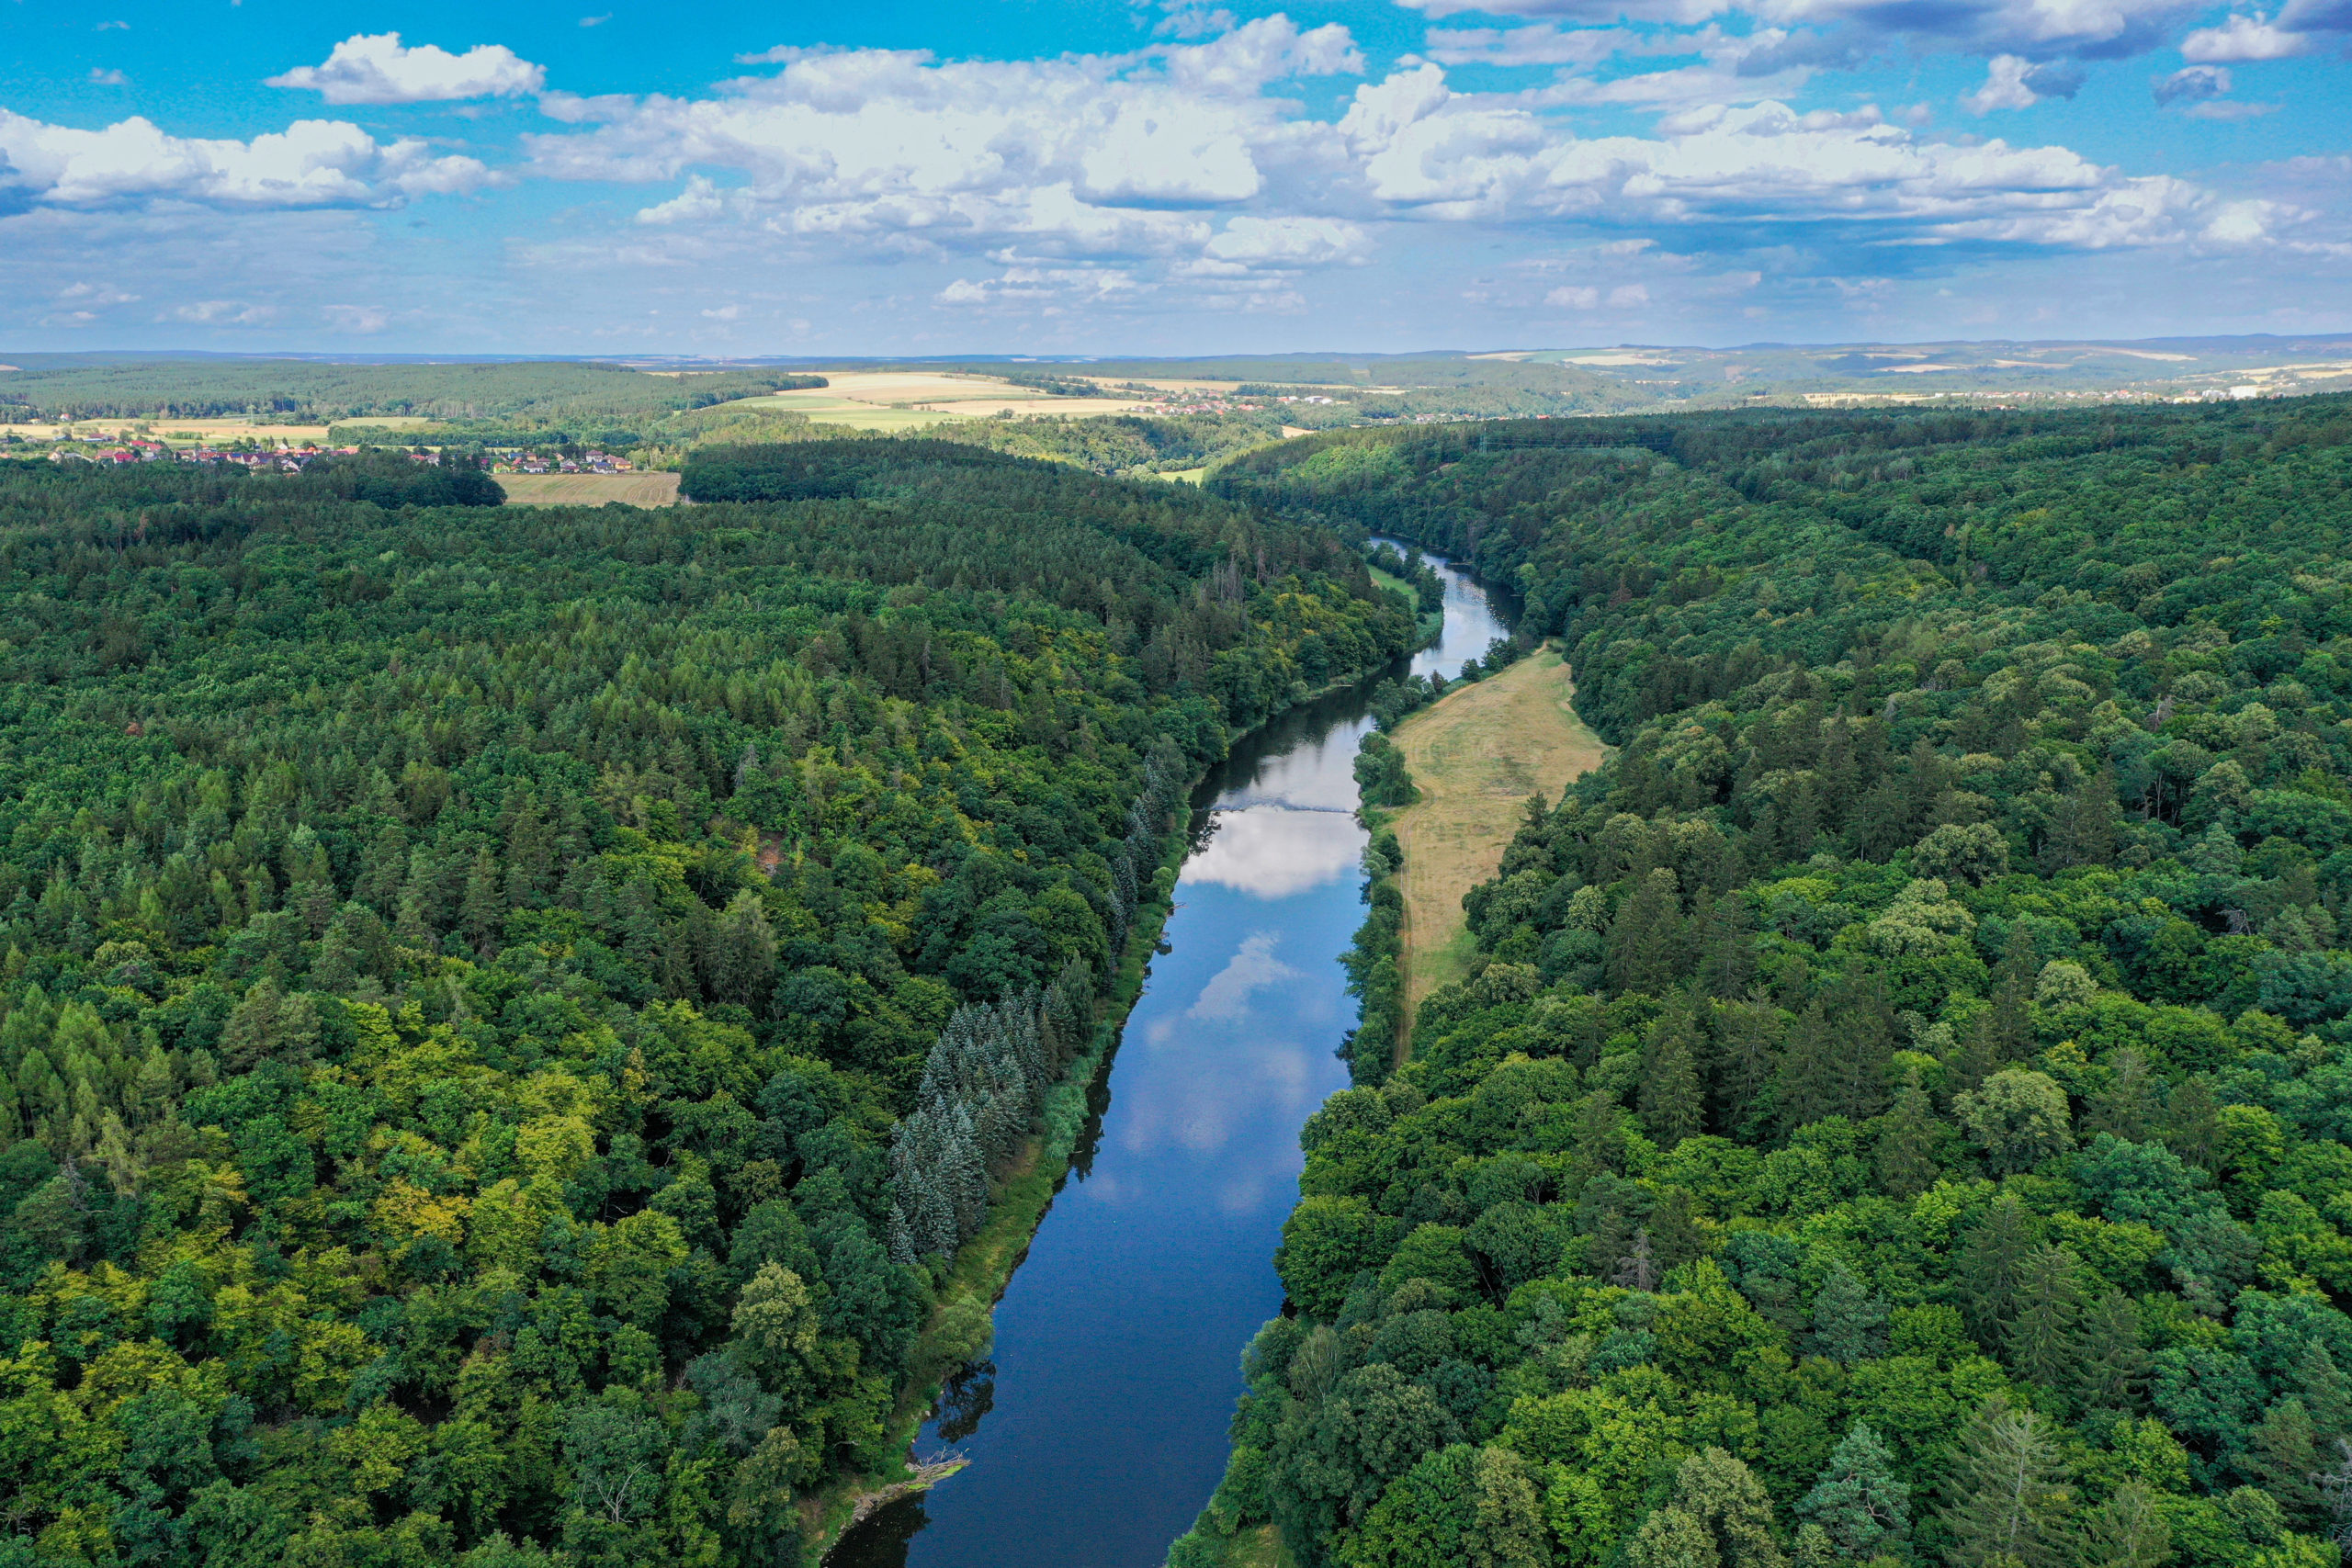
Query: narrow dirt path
x=1477 y=754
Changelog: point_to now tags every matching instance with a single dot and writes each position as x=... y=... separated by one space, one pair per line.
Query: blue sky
x=1172 y=176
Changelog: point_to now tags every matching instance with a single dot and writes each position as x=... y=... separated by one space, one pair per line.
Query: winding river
x=1099 y=1429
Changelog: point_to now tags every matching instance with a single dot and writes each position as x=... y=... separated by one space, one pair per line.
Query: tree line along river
x=1097 y=1430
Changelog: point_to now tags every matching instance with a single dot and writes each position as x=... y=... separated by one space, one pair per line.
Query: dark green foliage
x=1932 y=1023
x=489 y=999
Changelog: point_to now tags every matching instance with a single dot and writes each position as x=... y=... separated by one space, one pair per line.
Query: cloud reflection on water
x=1271 y=852
x=1243 y=1041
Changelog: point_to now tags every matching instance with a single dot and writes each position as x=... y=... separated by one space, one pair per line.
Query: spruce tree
x=2041 y=1344
x=1907 y=1144
x=1849 y=1321
x=1747 y=1045
x=2111 y=1364
x=2127 y=1107
x=1975 y=1057
x=2284 y=1450
x=1863 y=1037
x=1991 y=1262
x=1807 y=1087
x=2005 y=1497
x=2192 y=1123
x=1672 y=1102
x=2011 y=1021
x=1642 y=950
x=1727 y=954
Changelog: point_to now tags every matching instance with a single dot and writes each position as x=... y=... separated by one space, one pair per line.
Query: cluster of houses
x=140 y=449
x=516 y=460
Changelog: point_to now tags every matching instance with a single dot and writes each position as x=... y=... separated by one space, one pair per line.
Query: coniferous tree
x=2005 y=1498
x=1640 y=954
x=1990 y=1268
x=2048 y=1303
x=1673 y=1104
x=1727 y=954
x=2128 y=1530
x=1809 y=1084
x=1849 y=1320
x=1747 y=1048
x=2111 y=1362
x=2128 y=1105
x=1858 y=1503
x=1906 y=1145
x=2284 y=1450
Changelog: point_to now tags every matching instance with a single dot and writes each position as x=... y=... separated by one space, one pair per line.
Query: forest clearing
x=1476 y=755
x=653 y=489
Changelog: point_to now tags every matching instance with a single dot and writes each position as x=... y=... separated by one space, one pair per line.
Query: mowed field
x=590 y=489
x=1476 y=755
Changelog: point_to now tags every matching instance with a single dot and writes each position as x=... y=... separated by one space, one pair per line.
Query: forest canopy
x=506 y=1015
x=1897 y=1109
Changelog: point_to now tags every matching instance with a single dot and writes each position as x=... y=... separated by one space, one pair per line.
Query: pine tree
x=1857 y=1503
x=2005 y=1493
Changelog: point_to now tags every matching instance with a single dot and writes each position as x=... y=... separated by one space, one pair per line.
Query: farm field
x=863 y=400
x=1477 y=754
x=189 y=432
x=590 y=489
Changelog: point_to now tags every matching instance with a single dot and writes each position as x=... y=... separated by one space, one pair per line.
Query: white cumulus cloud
x=376 y=68
x=313 y=162
x=2243 y=38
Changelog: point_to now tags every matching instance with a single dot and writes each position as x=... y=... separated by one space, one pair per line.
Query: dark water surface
x=1097 y=1431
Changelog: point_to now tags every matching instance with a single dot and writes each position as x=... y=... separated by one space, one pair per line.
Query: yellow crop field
x=590 y=489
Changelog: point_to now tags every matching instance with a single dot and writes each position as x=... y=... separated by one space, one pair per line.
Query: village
x=124 y=447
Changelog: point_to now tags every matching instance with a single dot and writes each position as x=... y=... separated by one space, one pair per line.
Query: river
x=1098 y=1430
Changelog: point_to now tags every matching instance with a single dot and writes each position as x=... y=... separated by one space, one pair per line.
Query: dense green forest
x=1898 y=1110
x=507 y=1015
x=530 y=393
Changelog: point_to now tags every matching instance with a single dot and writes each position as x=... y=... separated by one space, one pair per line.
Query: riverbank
x=1475 y=755
x=958 y=1331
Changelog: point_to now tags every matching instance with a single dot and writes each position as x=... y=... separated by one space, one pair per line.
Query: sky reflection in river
x=1119 y=1342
